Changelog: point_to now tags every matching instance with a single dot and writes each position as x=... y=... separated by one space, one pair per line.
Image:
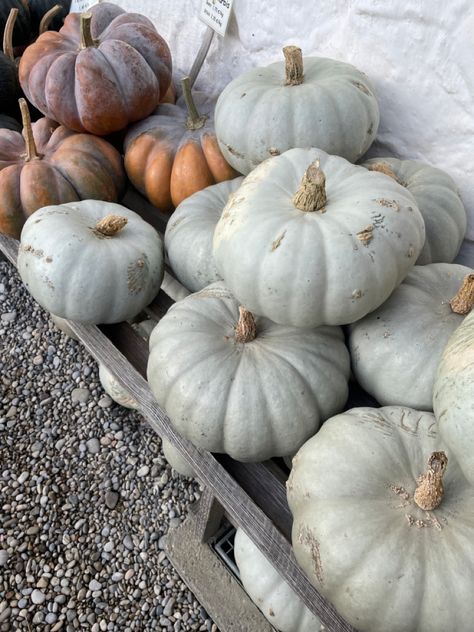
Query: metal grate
x=223 y=544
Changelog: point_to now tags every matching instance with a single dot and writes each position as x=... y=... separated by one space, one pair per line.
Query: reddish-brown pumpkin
x=101 y=71
x=49 y=164
x=174 y=152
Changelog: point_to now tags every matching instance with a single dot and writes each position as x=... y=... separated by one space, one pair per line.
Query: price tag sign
x=79 y=6
x=216 y=14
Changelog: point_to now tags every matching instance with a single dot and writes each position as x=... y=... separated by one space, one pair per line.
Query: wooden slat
x=238 y=505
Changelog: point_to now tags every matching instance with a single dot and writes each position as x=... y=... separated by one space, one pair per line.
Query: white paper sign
x=216 y=14
x=79 y=6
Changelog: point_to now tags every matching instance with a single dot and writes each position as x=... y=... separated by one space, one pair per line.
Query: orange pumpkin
x=174 y=152
x=100 y=72
x=49 y=164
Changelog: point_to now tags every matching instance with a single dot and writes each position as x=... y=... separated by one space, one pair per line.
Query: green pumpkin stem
x=48 y=17
x=8 y=35
x=463 y=302
x=429 y=492
x=294 y=72
x=194 y=120
x=87 y=41
x=311 y=196
x=110 y=225
x=246 y=328
x=31 y=151
x=382 y=167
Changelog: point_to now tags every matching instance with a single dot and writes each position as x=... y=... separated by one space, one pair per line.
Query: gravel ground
x=86 y=494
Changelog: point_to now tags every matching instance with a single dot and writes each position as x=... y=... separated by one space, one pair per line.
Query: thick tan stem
x=246 y=329
x=382 y=167
x=294 y=72
x=311 y=196
x=8 y=35
x=48 y=17
x=31 y=151
x=463 y=302
x=110 y=225
x=87 y=40
x=429 y=493
x=194 y=120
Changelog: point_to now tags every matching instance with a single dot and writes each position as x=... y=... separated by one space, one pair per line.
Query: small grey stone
x=168 y=609
x=38 y=359
x=94 y=585
x=8 y=317
x=93 y=445
x=143 y=471
x=111 y=498
x=128 y=543
x=80 y=395
x=11 y=412
x=37 y=597
x=51 y=618
x=105 y=401
x=3 y=557
x=116 y=577
x=4 y=615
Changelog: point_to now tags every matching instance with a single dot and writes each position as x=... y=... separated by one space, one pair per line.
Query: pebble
x=80 y=537
x=80 y=395
x=143 y=471
x=111 y=499
x=37 y=597
x=93 y=445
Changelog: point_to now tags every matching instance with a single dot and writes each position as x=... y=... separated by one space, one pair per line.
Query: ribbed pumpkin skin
x=355 y=532
x=453 y=399
x=167 y=162
x=189 y=233
x=438 y=199
x=72 y=167
x=334 y=109
x=76 y=273
x=98 y=89
x=311 y=268
x=277 y=601
x=396 y=349
x=227 y=396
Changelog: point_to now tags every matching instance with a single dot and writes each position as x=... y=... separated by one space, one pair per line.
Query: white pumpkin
x=376 y=529
x=240 y=385
x=311 y=246
x=453 y=399
x=189 y=233
x=396 y=349
x=114 y=390
x=437 y=198
x=175 y=459
x=90 y=261
x=277 y=601
x=302 y=102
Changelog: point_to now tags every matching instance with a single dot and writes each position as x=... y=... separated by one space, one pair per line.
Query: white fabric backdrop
x=418 y=54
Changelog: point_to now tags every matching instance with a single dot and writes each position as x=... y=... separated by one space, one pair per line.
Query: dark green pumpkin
x=8 y=122
x=22 y=33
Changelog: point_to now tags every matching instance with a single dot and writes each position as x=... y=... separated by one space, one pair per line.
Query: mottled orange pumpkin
x=49 y=164
x=102 y=71
x=174 y=152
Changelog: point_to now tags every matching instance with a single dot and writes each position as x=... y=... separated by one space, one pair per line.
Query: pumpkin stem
x=8 y=35
x=382 y=167
x=48 y=17
x=311 y=196
x=293 y=66
x=31 y=151
x=110 y=225
x=429 y=493
x=194 y=120
x=87 y=41
x=463 y=302
x=246 y=328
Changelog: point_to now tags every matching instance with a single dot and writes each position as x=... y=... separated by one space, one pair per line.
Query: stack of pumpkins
x=255 y=360
x=253 y=363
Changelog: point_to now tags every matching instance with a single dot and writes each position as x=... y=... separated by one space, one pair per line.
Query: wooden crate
x=250 y=495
